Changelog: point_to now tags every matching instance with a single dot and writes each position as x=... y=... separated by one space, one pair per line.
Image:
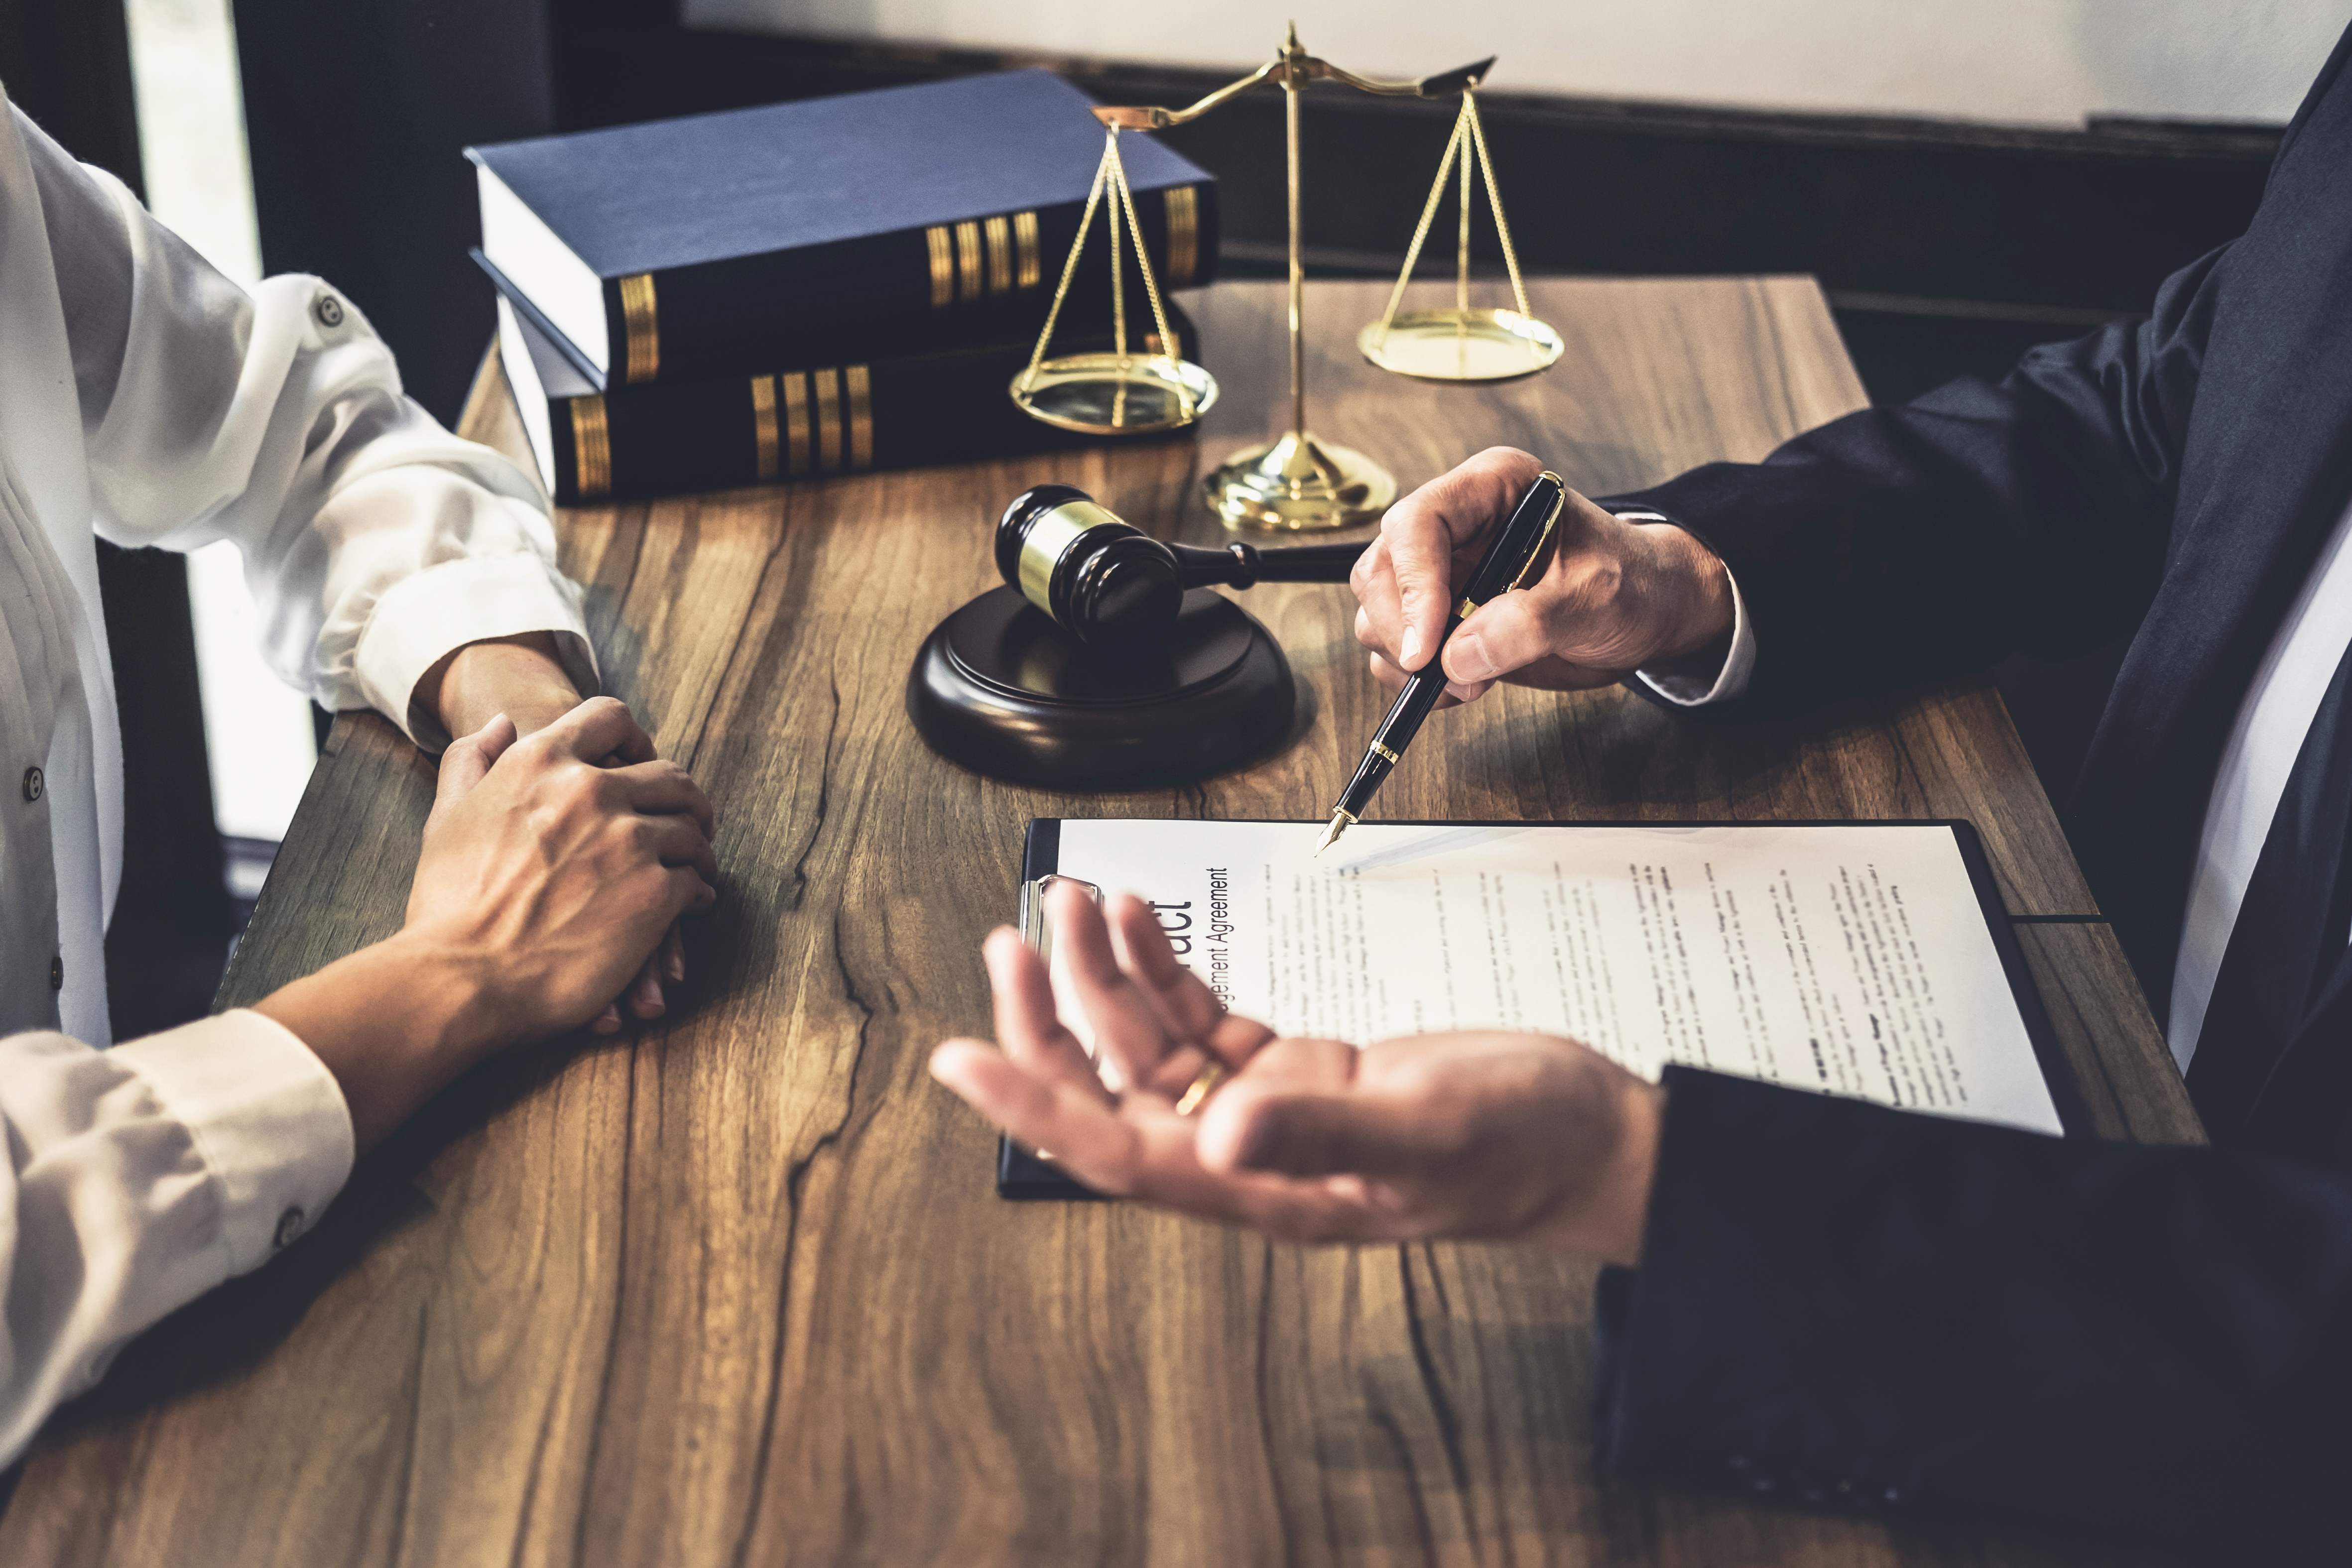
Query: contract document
x=1854 y=960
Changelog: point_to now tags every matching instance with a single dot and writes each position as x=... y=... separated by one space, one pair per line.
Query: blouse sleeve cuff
x=422 y=619
x=266 y=1114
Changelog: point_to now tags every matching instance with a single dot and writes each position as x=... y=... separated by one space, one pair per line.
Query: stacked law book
x=813 y=287
x=944 y=403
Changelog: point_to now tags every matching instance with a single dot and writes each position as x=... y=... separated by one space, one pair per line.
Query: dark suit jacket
x=1875 y=1310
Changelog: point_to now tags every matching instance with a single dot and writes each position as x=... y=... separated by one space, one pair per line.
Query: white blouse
x=145 y=399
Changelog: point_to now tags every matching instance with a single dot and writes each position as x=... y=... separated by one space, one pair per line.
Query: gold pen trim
x=796 y=421
x=1024 y=241
x=641 y=325
x=1341 y=820
x=828 y=419
x=764 y=427
x=1384 y=751
x=861 y=416
x=969 y=268
x=1559 y=503
x=592 y=448
x=1464 y=611
x=942 y=267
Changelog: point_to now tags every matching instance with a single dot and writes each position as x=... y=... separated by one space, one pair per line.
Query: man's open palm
x=1518 y=1137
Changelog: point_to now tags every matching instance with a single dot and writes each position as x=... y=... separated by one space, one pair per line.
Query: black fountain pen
x=1507 y=564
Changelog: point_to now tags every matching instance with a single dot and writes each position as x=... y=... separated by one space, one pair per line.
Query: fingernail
x=676 y=968
x=1467 y=659
x=1410 y=648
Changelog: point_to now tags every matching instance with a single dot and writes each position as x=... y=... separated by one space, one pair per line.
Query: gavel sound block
x=1106 y=664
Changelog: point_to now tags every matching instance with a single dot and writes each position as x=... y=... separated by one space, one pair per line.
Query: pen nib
x=1340 y=821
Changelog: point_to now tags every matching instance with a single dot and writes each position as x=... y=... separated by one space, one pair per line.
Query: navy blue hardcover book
x=943 y=403
x=802 y=232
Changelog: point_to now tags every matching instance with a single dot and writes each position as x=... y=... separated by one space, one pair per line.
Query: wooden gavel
x=1110 y=585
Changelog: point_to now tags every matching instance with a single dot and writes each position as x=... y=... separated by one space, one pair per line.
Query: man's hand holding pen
x=1615 y=596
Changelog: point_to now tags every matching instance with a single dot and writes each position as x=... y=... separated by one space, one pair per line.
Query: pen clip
x=1551 y=521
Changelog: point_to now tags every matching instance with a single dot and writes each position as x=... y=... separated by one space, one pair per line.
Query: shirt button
x=57 y=974
x=289 y=1226
x=328 y=310
x=34 y=784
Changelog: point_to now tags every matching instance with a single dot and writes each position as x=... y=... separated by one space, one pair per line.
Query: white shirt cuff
x=267 y=1115
x=1739 y=664
x=422 y=619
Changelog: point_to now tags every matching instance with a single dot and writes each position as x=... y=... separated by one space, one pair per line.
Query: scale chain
x=1421 y=231
x=1070 y=267
x=1494 y=200
x=1118 y=290
x=1110 y=174
x=1168 y=344
x=1462 y=261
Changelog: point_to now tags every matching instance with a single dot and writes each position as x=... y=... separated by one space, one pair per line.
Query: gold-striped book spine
x=803 y=423
x=764 y=427
x=860 y=382
x=943 y=265
x=998 y=233
x=796 y=421
x=1024 y=241
x=1182 y=204
x=983 y=256
x=592 y=449
x=826 y=425
x=969 y=271
x=641 y=328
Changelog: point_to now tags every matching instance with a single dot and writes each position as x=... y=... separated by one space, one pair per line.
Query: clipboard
x=1023 y=1177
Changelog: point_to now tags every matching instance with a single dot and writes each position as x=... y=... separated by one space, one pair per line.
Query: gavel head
x=1101 y=579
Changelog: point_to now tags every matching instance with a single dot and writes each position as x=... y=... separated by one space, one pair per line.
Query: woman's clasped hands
x=554 y=869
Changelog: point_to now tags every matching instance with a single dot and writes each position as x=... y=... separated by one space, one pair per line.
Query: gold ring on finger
x=1196 y=1093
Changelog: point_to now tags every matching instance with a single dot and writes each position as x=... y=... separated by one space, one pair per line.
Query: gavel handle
x=1240 y=565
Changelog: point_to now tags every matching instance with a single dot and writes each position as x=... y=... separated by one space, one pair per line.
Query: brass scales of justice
x=1297 y=482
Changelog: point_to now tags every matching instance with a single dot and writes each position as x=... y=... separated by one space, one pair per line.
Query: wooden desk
x=737 y=1289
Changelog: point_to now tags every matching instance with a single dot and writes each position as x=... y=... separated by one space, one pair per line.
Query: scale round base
x=1453 y=345
x=1116 y=395
x=1298 y=484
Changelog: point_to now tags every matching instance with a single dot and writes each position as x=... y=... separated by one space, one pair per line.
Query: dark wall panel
x=68 y=67
x=357 y=114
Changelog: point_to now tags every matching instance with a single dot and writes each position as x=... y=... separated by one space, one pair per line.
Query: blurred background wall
x=2038 y=62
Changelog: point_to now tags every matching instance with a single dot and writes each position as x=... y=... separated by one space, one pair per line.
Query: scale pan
x=1116 y=395
x=1451 y=345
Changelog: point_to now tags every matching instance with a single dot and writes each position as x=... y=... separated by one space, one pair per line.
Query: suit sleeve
x=1907 y=542
x=1866 y=1309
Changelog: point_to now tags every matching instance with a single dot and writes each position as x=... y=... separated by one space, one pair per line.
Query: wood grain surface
x=736 y=1289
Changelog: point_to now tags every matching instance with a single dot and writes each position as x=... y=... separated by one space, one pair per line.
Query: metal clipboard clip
x=1040 y=935
x=1034 y=929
